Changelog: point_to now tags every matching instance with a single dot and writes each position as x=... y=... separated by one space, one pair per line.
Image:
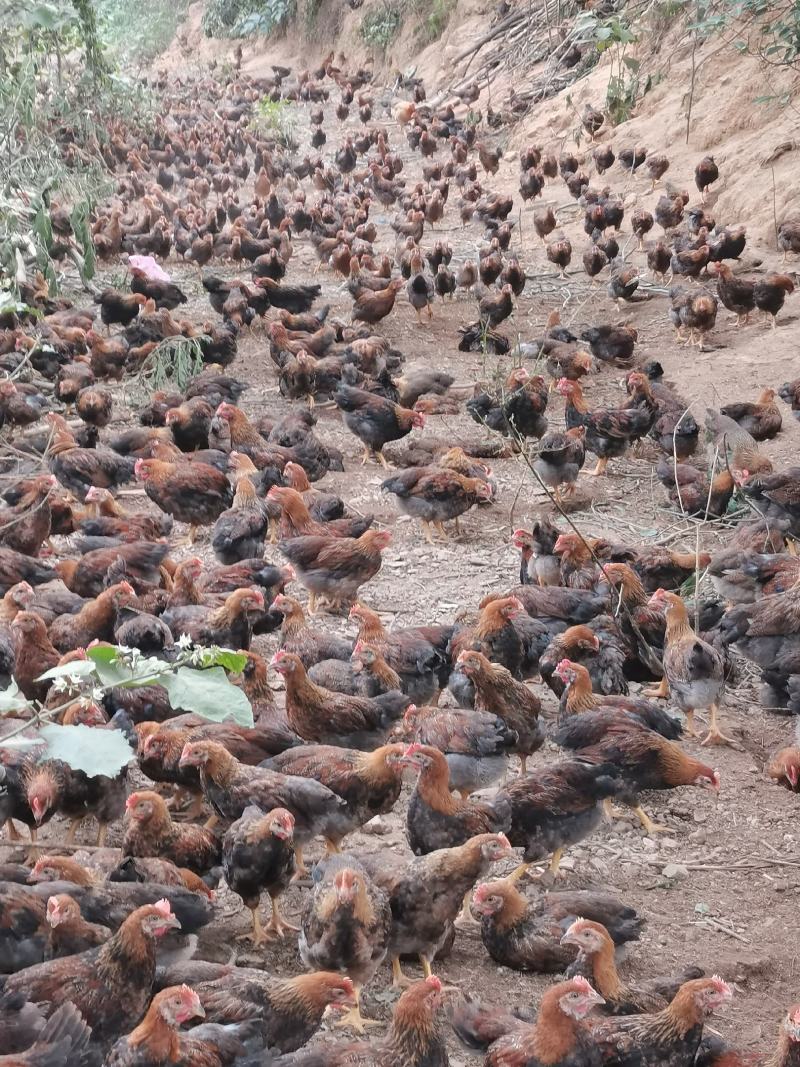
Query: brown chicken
x=309 y=644
x=150 y=831
x=258 y=855
x=94 y=622
x=371 y=307
x=435 y=495
x=69 y=931
x=296 y=520
x=762 y=420
x=427 y=893
x=374 y=420
x=111 y=520
x=345 y=926
x=497 y=690
x=27 y=525
x=327 y=717
x=230 y=787
x=559 y=458
x=110 y=985
x=158 y=1039
x=770 y=293
x=737 y=294
x=694 y=674
x=608 y=433
x=196 y=493
x=333 y=567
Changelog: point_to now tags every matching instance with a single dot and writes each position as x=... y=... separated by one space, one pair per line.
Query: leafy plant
x=437 y=19
x=379 y=25
x=276 y=119
x=196 y=682
x=171 y=365
x=624 y=86
x=243 y=18
x=138 y=33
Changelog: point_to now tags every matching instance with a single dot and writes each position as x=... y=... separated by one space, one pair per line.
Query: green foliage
x=244 y=18
x=275 y=118
x=86 y=749
x=208 y=693
x=380 y=24
x=625 y=86
x=770 y=29
x=435 y=22
x=171 y=365
x=138 y=33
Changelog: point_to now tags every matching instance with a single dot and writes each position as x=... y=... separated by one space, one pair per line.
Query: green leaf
x=208 y=693
x=630 y=63
x=11 y=699
x=81 y=668
x=86 y=748
x=235 y=662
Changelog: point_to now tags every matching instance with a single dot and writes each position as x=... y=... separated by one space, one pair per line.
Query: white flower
x=74 y=681
x=184 y=642
x=198 y=657
x=60 y=685
x=97 y=695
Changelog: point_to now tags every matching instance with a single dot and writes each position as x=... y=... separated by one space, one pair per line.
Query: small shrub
x=243 y=18
x=379 y=26
x=436 y=22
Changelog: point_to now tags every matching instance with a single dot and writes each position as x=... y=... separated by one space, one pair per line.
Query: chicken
x=371 y=307
x=578 y=698
x=150 y=831
x=611 y=344
x=70 y=933
x=426 y=895
x=368 y=782
x=157 y=1038
x=110 y=985
x=119 y=308
x=417 y=653
x=694 y=674
x=77 y=469
x=228 y=626
x=230 y=787
x=608 y=433
x=596 y=956
x=538 y=563
x=327 y=717
x=240 y=532
x=296 y=518
x=139 y=561
x=736 y=294
x=435 y=495
x=770 y=293
x=334 y=567
x=345 y=926
x=559 y=251
x=705 y=174
x=494 y=633
x=374 y=420
x=528 y=936
x=60 y=1042
x=784 y=768
x=693 y=310
x=310 y=645
x=519 y=409
x=642 y=758
x=691 y=491
x=559 y=459
x=28 y=524
x=289 y=1010
x=497 y=691
x=669 y=1036
x=558 y=1038
x=94 y=622
x=189 y=423
x=762 y=420
x=258 y=855
x=195 y=493
x=111 y=520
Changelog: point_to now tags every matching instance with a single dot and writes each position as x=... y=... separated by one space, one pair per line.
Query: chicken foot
x=651 y=827
x=354 y=1017
x=661 y=693
x=599 y=469
x=399 y=979
x=715 y=735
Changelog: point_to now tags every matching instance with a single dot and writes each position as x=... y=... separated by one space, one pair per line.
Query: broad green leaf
x=111 y=670
x=11 y=699
x=208 y=693
x=235 y=662
x=87 y=749
x=80 y=668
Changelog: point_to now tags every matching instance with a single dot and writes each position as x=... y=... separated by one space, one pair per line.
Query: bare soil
x=732 y=905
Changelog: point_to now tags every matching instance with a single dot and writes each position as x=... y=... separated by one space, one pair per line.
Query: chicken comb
x=410 y=712
x=583 y=985
x=187 y=994
x=434 y=982
x=563 y=665
x=794 y=1014
x=501 y=837
x=721 y=985
x=132 y=799
x=347 y=984
x=413 y=748
x=163 y=907
x=520 y=533
x=481 y=892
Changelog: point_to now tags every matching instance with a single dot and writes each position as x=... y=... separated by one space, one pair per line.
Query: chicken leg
x=426 y=966
x=599 y=469
x=715 y=735
x=277 y=925
x=661 y=693
x=399 y=980
x=354 y=1017
x=651 y=827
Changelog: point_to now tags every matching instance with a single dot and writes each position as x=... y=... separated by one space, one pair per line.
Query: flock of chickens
x=105 y=964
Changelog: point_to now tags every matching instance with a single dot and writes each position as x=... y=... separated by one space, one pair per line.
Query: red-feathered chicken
x=578 y=698
x=230 y=787
x=194 y=493
x=434 y=495
x=150 y=831
x=110 y=985
x=608 y=433
x=336 y=567
x=308 y=644
x=417 y=653
x=230 y=625
x=326 y=717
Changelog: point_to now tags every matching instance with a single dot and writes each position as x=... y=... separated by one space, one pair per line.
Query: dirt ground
x=720 y=890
